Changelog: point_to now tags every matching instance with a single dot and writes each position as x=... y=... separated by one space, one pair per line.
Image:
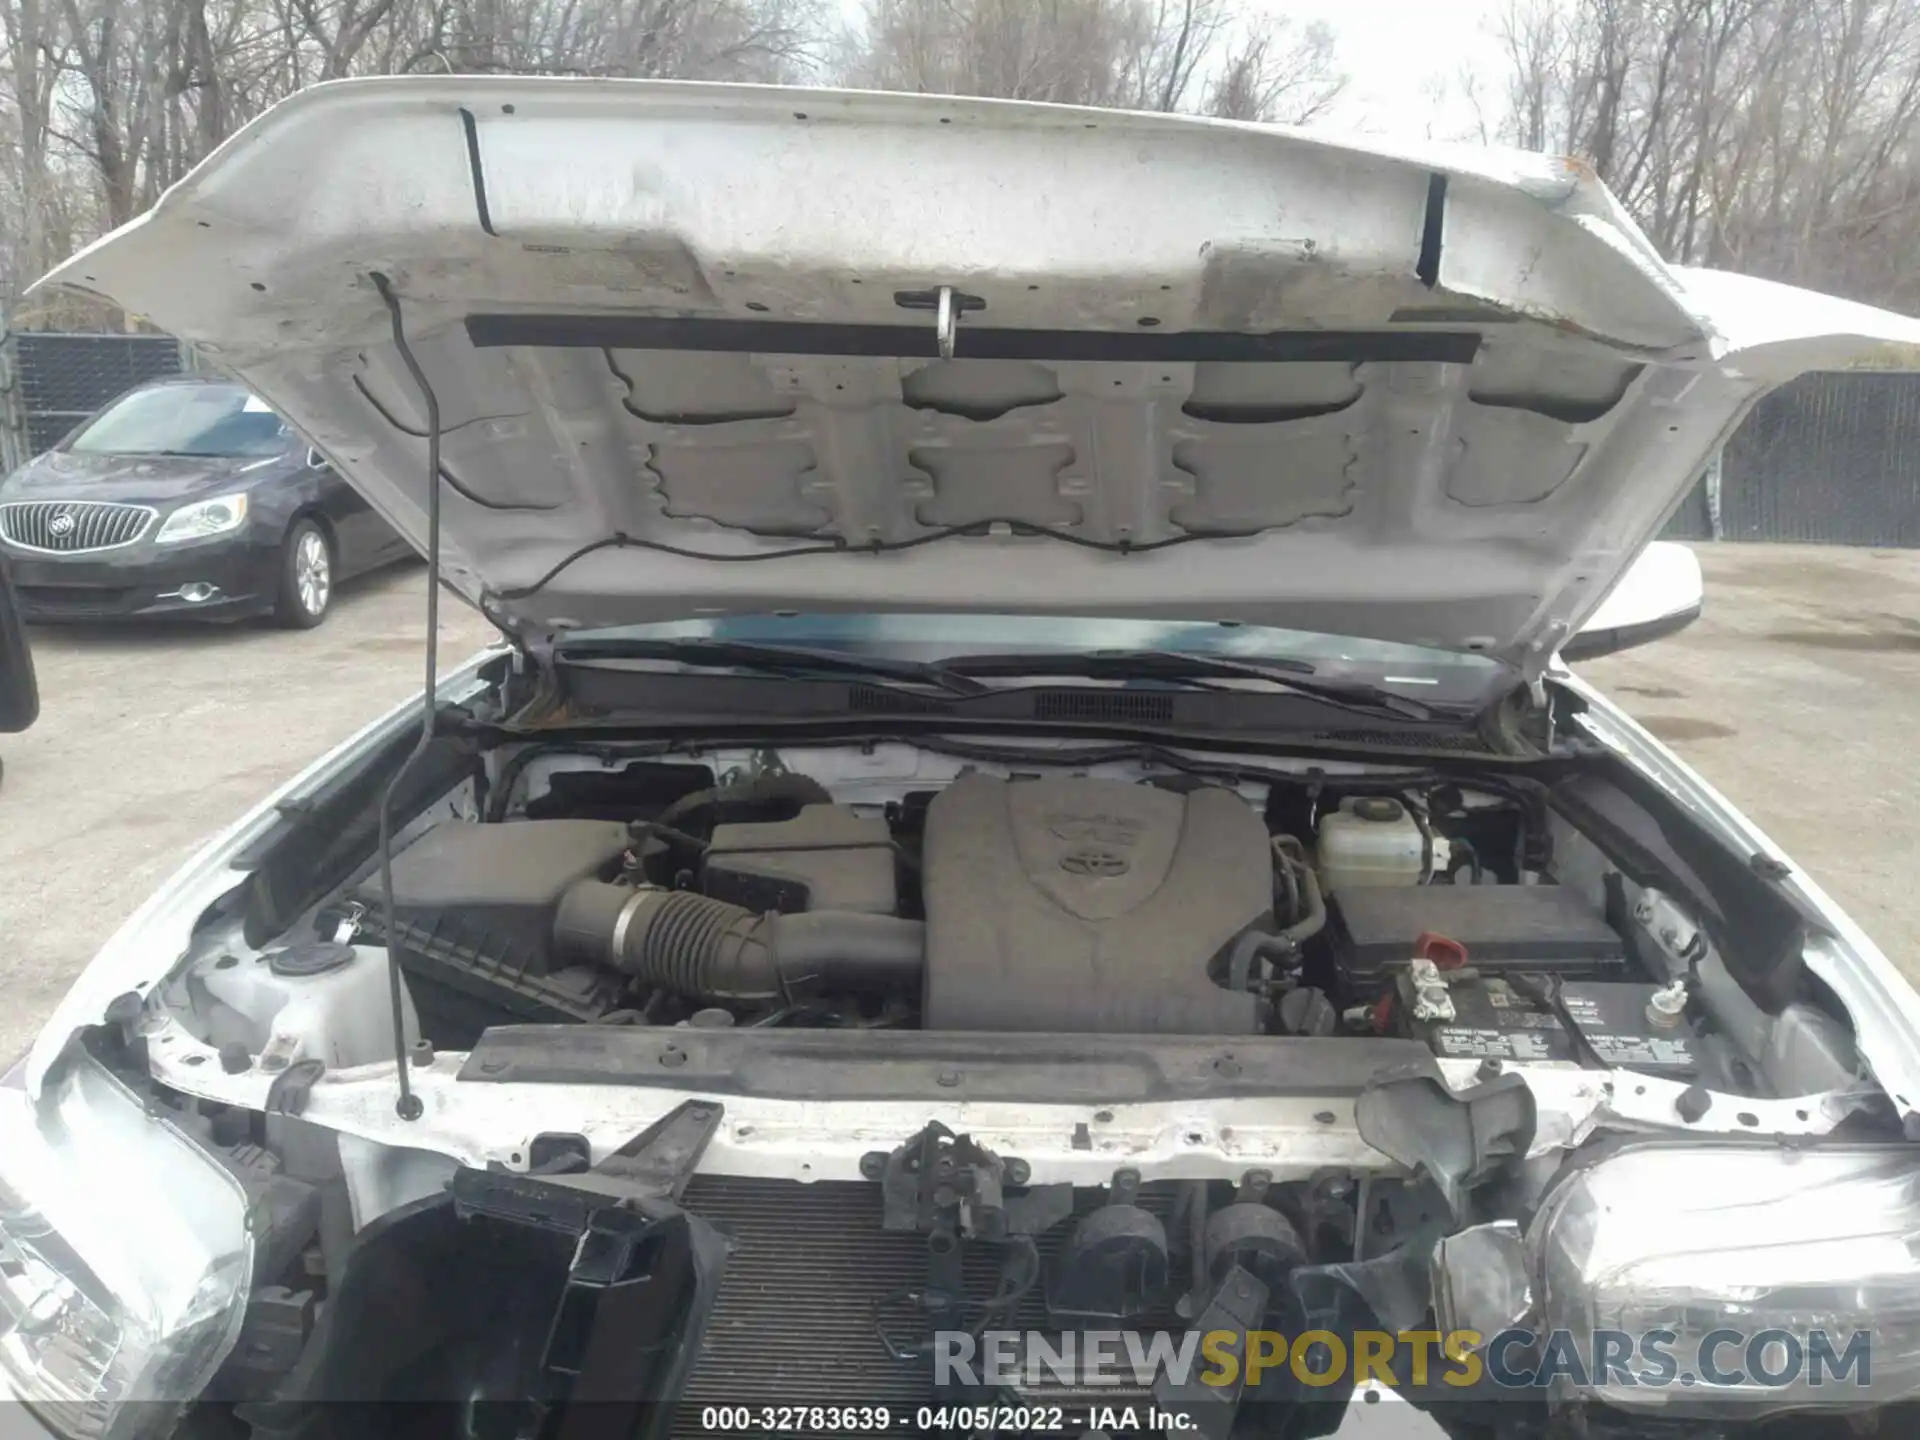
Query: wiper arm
x=1294 y=675
x=774 y=659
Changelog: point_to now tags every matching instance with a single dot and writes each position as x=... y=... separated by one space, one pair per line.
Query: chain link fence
x=1831 y=459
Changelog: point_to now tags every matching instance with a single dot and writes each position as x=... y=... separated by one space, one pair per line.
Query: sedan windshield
x=1440 y=677
x=223 y=421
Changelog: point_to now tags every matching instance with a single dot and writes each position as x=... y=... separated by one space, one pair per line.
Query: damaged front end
x=1139 y=1273
x=675 y=1154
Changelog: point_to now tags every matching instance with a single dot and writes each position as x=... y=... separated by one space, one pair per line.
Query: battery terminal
x=1667 y=1006
x=1432 y=1000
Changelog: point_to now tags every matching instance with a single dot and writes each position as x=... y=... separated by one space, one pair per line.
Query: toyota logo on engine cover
x=1093 y=862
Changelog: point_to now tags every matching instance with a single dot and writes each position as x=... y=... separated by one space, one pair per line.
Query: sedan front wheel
x=306 y=577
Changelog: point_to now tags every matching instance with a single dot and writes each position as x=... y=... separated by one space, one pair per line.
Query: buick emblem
x=1093 y=862
x=61 y=524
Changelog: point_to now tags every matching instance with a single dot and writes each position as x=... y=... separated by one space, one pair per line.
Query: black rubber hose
x=707 y=949
x=1254 y=945
x=1281 y=948
x=1425 y=827
x=1291 y=855
x=780 y=791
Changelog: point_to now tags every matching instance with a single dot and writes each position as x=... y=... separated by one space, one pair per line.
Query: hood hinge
x=533 y=649
x=1539 y=659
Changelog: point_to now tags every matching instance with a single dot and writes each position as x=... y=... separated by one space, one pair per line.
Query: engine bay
x=901 y=889
x=909 y=1040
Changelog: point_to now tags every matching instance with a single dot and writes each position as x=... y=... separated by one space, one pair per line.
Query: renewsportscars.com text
x=1465 y=1359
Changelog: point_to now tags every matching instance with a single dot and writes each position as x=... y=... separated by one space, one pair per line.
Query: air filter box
x=490 y=891
x=824 y=858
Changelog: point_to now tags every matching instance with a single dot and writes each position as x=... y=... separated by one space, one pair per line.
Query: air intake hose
x=707 y=949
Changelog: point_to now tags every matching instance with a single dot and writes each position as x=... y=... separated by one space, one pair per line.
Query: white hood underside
x=1440 y=398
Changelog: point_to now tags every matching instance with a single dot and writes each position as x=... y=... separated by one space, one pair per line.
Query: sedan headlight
x=125 y=1258
x=1774 y=1279
x=203 y=518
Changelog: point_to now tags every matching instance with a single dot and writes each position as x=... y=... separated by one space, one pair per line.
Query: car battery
x=1492 y=1020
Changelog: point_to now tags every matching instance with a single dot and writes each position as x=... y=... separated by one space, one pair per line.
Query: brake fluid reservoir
x=1370 y=840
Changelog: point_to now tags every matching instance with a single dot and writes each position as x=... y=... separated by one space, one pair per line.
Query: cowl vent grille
x=1127 y=705
x=871 y=700
x=1463 y=742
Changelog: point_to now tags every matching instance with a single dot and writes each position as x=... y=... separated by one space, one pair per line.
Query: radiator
x=793 y=1324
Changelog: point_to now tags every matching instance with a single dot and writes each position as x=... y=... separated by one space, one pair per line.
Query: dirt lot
x=1796 y=695
x=150 y=739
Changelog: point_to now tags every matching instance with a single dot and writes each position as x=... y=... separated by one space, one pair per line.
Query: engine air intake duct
x=706 y=949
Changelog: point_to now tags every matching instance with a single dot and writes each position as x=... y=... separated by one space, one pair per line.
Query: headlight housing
x=1742 y=1254
x=203 y=519
x=125 y=1258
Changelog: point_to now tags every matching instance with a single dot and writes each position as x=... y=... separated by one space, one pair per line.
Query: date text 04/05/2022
x=933 y=1419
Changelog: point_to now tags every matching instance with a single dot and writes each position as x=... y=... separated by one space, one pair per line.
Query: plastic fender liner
x=516 y=1295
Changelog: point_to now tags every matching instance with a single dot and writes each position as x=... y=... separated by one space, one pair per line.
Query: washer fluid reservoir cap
x=1378 y=807
x=297 y=962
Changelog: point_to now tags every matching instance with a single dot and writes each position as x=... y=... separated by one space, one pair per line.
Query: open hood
x=703 y=349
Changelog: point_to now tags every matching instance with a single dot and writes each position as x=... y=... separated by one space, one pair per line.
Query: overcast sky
x=1394 y=50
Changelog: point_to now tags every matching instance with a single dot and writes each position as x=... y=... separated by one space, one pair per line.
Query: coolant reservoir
x=1370 y=840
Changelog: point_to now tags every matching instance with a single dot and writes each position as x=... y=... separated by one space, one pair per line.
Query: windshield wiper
x=1294 y=675
x=773 y=659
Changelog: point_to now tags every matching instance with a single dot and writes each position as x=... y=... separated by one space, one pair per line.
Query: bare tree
x=706 y=39
x=1070 y=51
x=341 y=30
x=1181 y=37
x=33 y=70
x=1137 y=54
x=116 y=53
x=1776 y=136
x=104 y=103
x=1272 y=75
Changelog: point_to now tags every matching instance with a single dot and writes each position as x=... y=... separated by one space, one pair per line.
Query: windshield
x=1441 y=677
x=214 y=420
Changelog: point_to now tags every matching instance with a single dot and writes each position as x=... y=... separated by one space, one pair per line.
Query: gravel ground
x=152 y=738
x=1795 y=694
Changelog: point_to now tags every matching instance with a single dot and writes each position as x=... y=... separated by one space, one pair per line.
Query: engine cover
x=1088 y=905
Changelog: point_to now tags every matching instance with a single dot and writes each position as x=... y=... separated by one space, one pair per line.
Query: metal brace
x=946 y=322
x=656 y=1164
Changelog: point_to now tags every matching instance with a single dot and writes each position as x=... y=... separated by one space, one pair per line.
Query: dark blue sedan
x=187 y=496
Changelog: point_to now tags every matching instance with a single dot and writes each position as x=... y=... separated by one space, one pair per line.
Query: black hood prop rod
x=408 y=1106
